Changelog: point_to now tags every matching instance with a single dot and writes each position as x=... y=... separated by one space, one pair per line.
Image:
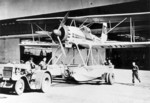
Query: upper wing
x=37 y=34
x=99 y=18
x=37 y=19
x=140 y=16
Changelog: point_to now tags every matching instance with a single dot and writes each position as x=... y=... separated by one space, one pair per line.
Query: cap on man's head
x=133 y=63
x=44 y=59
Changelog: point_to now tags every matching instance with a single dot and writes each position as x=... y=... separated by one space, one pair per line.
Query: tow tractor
x=20 y=77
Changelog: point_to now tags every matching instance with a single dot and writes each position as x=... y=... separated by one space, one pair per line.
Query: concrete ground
x=121 y=92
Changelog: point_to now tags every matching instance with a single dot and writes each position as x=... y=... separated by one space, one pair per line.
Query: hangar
x=10 y=11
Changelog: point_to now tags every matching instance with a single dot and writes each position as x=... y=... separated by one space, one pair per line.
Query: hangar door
x=123 y=57
x=9 y=50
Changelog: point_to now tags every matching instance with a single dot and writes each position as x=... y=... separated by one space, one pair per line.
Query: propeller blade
x=46 y=33
x=63 y=21
x=49 y=35
x=59 y=27
x=62 y=48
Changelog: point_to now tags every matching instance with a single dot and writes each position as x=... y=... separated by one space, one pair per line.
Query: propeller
x=58 y=33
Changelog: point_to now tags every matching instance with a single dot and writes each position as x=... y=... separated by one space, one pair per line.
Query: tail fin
x=104 y=33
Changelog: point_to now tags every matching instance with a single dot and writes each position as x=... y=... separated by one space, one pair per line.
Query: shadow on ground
x=12 y=92
x=68 y=83
x=127 y=84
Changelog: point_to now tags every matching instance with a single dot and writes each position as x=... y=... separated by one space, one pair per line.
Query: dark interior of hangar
x=37 y=53
x=123 y=58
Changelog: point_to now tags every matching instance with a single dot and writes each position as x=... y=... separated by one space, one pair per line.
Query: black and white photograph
x=74 y=51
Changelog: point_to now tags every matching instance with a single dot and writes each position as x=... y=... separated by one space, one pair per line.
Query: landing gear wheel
x=19 y=86
x=111 y=78
x=46 y=83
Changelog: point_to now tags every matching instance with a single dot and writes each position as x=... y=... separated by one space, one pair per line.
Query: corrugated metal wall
x=9 y=50
x=2 y=51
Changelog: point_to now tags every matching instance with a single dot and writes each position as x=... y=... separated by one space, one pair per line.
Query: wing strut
x=54 y=55
x=81 y=55
x=88 y=56
x=32 y=31
x=133 y=32
x=75 y=55
x=83 y=23
x=91 y=55
x=110 y=24
x=58 y=58
x=117 y=25
x=131 y=28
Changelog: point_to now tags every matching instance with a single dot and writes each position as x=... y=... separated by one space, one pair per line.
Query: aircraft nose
x=57 y=32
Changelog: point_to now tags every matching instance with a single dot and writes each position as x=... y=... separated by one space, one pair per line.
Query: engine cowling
x=62 y=33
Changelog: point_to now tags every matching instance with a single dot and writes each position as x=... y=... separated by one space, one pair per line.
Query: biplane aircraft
x=80 y=37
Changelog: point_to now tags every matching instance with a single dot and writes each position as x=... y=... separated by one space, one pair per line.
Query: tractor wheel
x=46 y=83
x=19 y=86
x=111 y=78
x=106 y=77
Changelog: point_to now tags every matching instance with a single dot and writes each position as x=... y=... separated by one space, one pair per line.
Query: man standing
x=31 y=63
x=43 y=64
x=135 y=74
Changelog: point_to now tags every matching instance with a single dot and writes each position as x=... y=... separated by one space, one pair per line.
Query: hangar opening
x=123 y=57
x=37 y=53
